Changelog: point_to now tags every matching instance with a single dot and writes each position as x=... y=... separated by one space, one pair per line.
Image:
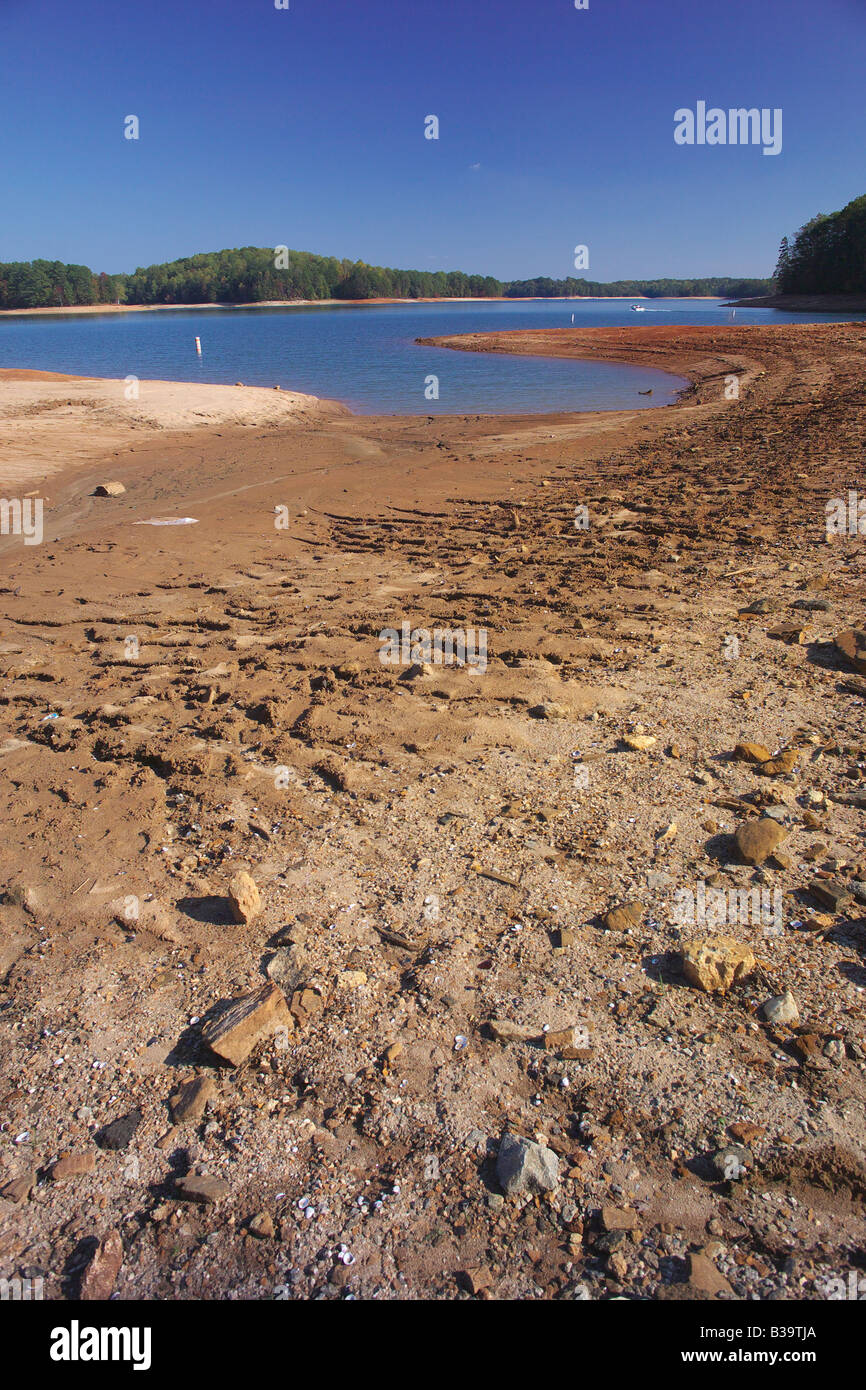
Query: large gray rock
x=526 y=1167
x=781 y=1009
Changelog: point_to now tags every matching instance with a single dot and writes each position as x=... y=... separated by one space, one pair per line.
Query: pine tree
x=783 y=265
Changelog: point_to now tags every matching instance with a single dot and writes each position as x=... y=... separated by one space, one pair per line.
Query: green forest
x=42 y=284
x=253 y=274
x=828 y=255
x=723 y=287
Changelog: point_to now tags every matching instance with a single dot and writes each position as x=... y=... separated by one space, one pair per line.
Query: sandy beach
x=438 y=850
x=52 y=421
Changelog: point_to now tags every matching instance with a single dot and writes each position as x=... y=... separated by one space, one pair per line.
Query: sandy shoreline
x=54 y=420
x=436 y=880
x=51 y=420
x=252 y=304
x=328 y=303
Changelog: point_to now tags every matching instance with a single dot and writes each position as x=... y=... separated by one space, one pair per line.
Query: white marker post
x=198 y=346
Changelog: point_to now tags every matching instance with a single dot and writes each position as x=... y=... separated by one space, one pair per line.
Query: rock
x=752 y=753
x=244 y=897
x=756 y=839
x=715 y=967
x=731 y=1163
x=190 y=1099
x=833 y=896
x=476 y=1140
x=100 y=1276
x=745 y=1133
x=610 y=1241
x=118 y=1134
x=818 y=922
x=781 y=1009
x=247 y=1021
x=807 y=1047
x=477 y=1279
x=352 y=979
x=548 y=710
x=816 y=582
x=571 y=1043
x=623 y=917
x=704 y=1277
x=393 y=1053
x=307 y=1004
x=113 y=489
x=73 y=1166
x=288 y=966
x=262 y=1226
x=761 y=605
x=640 y=743
x=618 y=1219
x=204 y=1190
x=523 y=1166
x=504 y=1031
x=852 y=645
x=19 y=1189
x=789 y=632
x=785 y=763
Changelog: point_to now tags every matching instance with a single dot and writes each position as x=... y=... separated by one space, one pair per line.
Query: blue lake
x=366 y=356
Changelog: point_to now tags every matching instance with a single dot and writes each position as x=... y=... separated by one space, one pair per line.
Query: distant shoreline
x=85 y=309
x=804 y=303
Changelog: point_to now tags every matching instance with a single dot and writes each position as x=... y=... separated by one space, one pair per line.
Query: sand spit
x=705 y=354
x=51 y=421
x=454 y=1043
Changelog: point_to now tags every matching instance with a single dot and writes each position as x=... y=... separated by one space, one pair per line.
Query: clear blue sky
x=305 y=127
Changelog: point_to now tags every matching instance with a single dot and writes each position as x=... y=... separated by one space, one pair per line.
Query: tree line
x=51 y=284
x=253 y=274
x=720 y=287
x=828 y=255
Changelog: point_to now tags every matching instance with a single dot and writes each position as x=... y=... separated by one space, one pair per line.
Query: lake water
x=366 y=356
